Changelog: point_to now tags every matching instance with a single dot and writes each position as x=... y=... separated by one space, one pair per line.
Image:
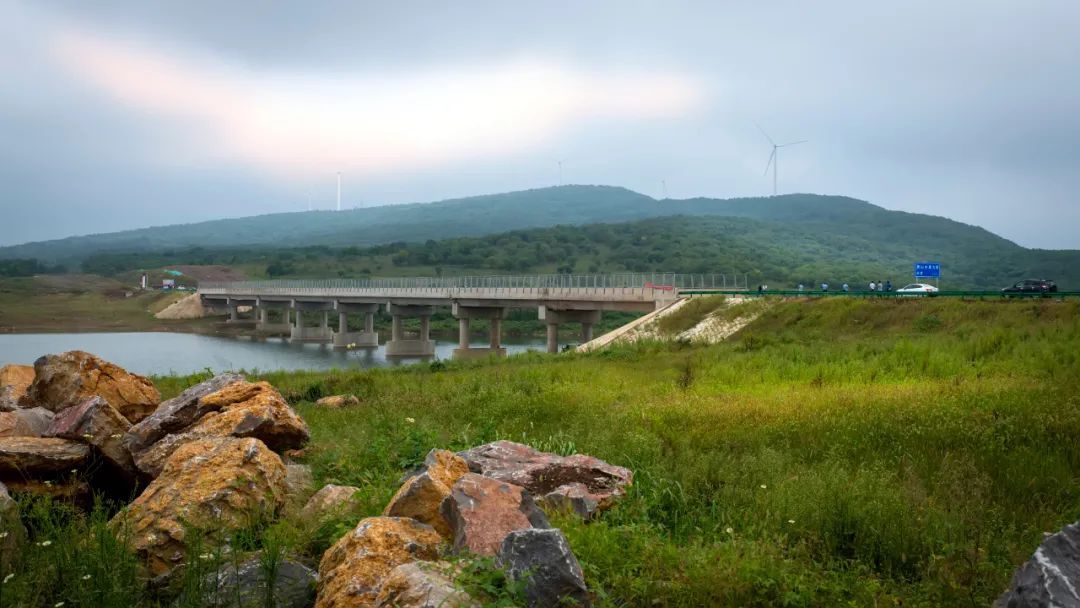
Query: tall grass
x=833 y=453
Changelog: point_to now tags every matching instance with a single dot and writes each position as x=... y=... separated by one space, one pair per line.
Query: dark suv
x=1032 y=286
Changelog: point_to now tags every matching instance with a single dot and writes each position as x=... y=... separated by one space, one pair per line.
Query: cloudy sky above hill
x=118 y=114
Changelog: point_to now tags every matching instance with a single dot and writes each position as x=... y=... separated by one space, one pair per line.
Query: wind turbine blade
x=769 y=164
x=801 y=141
x=765 y=134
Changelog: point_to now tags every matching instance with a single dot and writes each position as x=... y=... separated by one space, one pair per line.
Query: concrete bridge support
x=554 y=318
x=367 y=338
x=262 y=319
x=494 y=315
x=300 y=333
x=399 y=346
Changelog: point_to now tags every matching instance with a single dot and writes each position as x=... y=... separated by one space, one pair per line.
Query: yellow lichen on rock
x=351 y=571
x=421 y=495
x=213 y=484
x=253 y=409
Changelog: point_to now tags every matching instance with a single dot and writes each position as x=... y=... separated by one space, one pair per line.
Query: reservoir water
x=160 y=353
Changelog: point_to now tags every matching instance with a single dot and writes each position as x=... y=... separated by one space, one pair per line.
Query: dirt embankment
x=188 y=307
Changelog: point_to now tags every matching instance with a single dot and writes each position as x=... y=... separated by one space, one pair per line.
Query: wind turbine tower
x=774 y=158
x=339 y=190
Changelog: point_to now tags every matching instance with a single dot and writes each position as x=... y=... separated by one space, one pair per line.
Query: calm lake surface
x=151 y=353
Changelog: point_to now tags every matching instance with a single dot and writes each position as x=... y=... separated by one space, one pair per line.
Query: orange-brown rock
x=14 y=382
x=481 y=511
x=352 y=570
x=253 y=409
x=25 y=422
x=241 y=409
x=338 y=401
x=64 y=380
x=214 y=484
x=330 y=500
x=28 y=457
x=422 y=585
x=421 y=496
x=178 y=413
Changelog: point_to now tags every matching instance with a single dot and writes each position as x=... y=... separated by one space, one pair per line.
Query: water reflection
x=163 y=352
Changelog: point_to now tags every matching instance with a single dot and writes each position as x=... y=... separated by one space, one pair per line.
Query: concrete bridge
x=559 y=299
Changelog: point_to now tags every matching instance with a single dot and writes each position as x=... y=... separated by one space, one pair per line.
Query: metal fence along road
x=559 y=281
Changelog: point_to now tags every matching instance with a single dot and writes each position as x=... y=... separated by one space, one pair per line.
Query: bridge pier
x=300 y=333
x=365 y=339
x=263 y=323
x=554 y=318
x=399 y=346
x=495 y=315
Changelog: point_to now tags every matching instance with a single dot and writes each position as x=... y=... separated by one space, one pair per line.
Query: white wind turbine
x=774 y=158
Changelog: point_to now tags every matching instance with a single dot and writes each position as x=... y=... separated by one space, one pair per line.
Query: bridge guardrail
x=981 y=294
x=654 y=283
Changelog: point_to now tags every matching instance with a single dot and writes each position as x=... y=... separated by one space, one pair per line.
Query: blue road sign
x=927 y=270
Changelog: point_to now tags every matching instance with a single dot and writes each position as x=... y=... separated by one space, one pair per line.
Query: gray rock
x=1051 y=578
x=544 y=560
x=176 y=414
x=422 y=585
x=244 y=586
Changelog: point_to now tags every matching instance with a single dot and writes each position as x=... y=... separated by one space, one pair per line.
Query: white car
x=922 y=288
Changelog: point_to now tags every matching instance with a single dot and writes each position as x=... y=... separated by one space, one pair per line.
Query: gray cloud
x=965 y=109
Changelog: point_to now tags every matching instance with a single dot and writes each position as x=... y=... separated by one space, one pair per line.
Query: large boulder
x=352 y=571
x=28 y=457
x=25 y=422
x=69 y=489
x=178 y=413
x=330 y=500
x=215 y=485
x=240 y=409
x=422 y=585
x=481 y=511
x=1051 y=578
x=97 y=423
x=64 y=380
x=14 y=382
x=244 y=585
x=542 y=559
x=421 y=496
x=581 y=483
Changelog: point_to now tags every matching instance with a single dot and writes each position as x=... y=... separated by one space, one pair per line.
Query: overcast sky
x=119 y=115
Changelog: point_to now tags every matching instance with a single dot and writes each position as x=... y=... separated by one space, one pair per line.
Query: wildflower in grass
x=729 y=530
x=58 y=604
x=3 y=535
x=763 y=486
x=791 y=521
x=46 y=543
x=86 y=577
x=205 y=556
x=8 y=578
x=410 y=420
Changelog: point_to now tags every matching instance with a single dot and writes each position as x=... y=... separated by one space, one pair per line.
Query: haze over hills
x=785 y=240
x=479 y=215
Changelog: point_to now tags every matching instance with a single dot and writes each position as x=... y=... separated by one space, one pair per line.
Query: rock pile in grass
x=479 y=502
x=212 y=460
x=207 y=461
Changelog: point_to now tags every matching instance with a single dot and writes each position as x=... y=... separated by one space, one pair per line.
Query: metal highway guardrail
x=658 y=281
x=879 y=294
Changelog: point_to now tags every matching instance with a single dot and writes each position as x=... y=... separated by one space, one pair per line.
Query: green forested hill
x=481 y=215
x=781 y=253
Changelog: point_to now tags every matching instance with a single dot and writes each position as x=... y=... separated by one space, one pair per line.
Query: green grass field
x=833 y=453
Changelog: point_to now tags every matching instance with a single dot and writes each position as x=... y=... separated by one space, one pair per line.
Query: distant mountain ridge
x=489 y=214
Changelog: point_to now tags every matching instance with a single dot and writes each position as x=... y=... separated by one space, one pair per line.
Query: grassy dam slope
x=833 y=453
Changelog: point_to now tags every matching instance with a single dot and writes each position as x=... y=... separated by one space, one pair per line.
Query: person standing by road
x=824 y=287
x=888 y=285
x=873 y=286
x=844 y=287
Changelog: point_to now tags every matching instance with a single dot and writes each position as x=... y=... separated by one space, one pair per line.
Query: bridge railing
x=647 y=281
